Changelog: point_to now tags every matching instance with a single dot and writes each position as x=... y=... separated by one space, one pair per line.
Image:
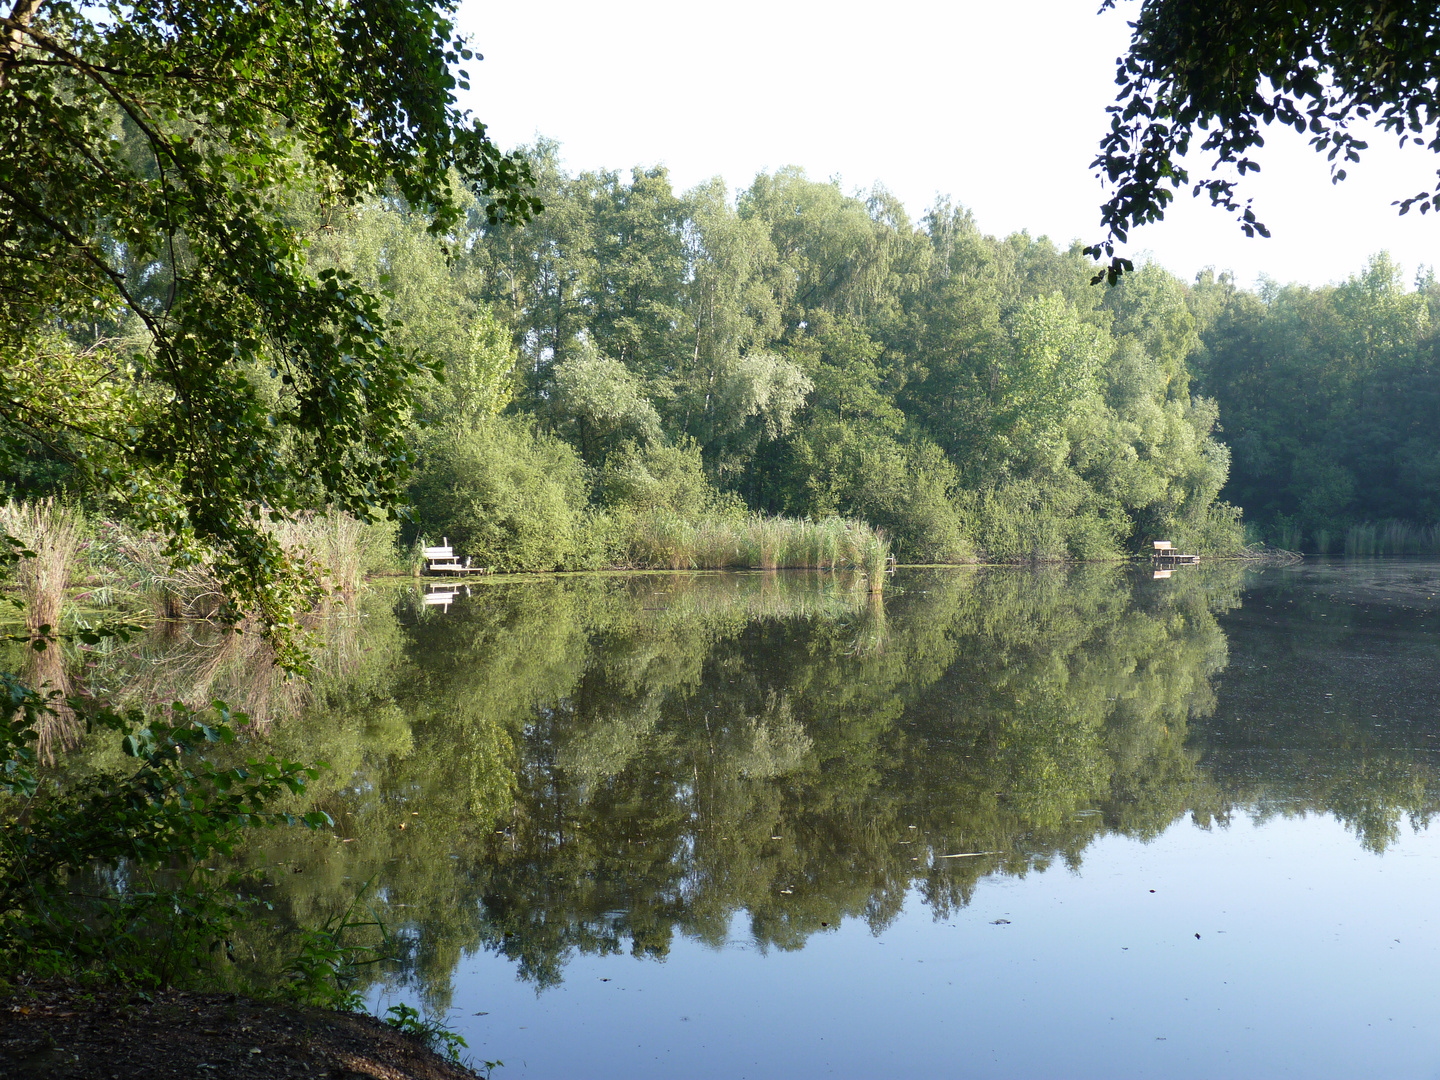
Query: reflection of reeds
x=59 y=728
x=872 y=629
x=196 y=662
x=52 y=532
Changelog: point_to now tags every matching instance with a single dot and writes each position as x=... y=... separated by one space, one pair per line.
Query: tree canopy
x=162 y=330
x=1228 y=69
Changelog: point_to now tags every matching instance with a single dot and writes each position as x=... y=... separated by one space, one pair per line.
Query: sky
x=998 y=105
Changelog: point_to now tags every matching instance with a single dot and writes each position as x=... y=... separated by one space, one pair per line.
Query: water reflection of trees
x=597 y=764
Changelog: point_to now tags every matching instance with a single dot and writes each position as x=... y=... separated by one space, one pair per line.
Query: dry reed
x=53 y=532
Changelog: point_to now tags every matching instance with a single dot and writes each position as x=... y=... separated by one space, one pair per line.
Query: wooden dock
x=1167 y=557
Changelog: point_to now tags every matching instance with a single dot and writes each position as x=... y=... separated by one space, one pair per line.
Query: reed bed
x=665 y=541
x=1290 y=538
x=343 y=546
x=54 y=533
x=340 y=549
x=137 y=565
x=1392 y=538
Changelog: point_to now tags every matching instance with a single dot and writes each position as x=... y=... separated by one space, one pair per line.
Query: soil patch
x=63 y=1032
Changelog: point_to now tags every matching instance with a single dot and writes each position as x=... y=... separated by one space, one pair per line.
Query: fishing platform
x=443 y=560
x=1167 y=558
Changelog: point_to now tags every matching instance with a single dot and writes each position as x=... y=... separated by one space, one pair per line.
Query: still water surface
x=1006 y=823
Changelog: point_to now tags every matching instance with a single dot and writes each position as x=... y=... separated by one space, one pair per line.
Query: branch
x=19 y=21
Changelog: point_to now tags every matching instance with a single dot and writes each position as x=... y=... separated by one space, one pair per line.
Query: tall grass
x=53 y=532
x=1392 y=538
x=345 y=548
x=1290 y=538
x=136 y=564
x=660 y=540
x=340 y=549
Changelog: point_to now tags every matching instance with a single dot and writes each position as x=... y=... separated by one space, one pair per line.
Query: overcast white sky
x=999 y=105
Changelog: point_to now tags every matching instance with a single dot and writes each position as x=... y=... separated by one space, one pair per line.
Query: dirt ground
x=64 y=1032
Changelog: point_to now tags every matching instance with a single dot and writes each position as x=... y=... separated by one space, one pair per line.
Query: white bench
x=443 y=558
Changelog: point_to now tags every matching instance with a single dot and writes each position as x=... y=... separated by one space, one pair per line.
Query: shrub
x=1047 y=520
x=176 y=807
x=504 y=495
x=661 y=477
x=1216 y=532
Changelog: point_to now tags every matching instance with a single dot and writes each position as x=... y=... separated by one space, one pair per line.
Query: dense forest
x=634 y=374
x=635 y=356
x=1330 y=400
x=795 y=351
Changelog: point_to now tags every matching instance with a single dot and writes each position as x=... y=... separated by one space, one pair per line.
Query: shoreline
x=52 y=1029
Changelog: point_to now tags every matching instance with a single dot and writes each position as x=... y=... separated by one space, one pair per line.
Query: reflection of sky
x=1315 y=959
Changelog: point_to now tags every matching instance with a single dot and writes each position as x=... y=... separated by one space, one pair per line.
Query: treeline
x=645 y=377
x=1330 y=399
x=637 y=358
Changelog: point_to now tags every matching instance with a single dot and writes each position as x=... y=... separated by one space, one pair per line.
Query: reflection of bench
x=442 y=596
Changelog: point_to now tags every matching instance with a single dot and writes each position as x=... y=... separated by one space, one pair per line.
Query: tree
x=600 y=403
x=148 y=154
x=1229 y=68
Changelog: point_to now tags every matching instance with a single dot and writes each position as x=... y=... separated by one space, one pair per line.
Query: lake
x=1002 y=823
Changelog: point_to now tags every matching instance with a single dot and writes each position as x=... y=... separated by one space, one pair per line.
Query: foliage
x=175 y=805
x=1229 y=69
x=660 y=477
x=433 y=1033
x=428 y=298
x=827 y=356
x=600 y=401
x=505 y=495
x=328 y=966
x=1329 y=397
x=149 y=152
